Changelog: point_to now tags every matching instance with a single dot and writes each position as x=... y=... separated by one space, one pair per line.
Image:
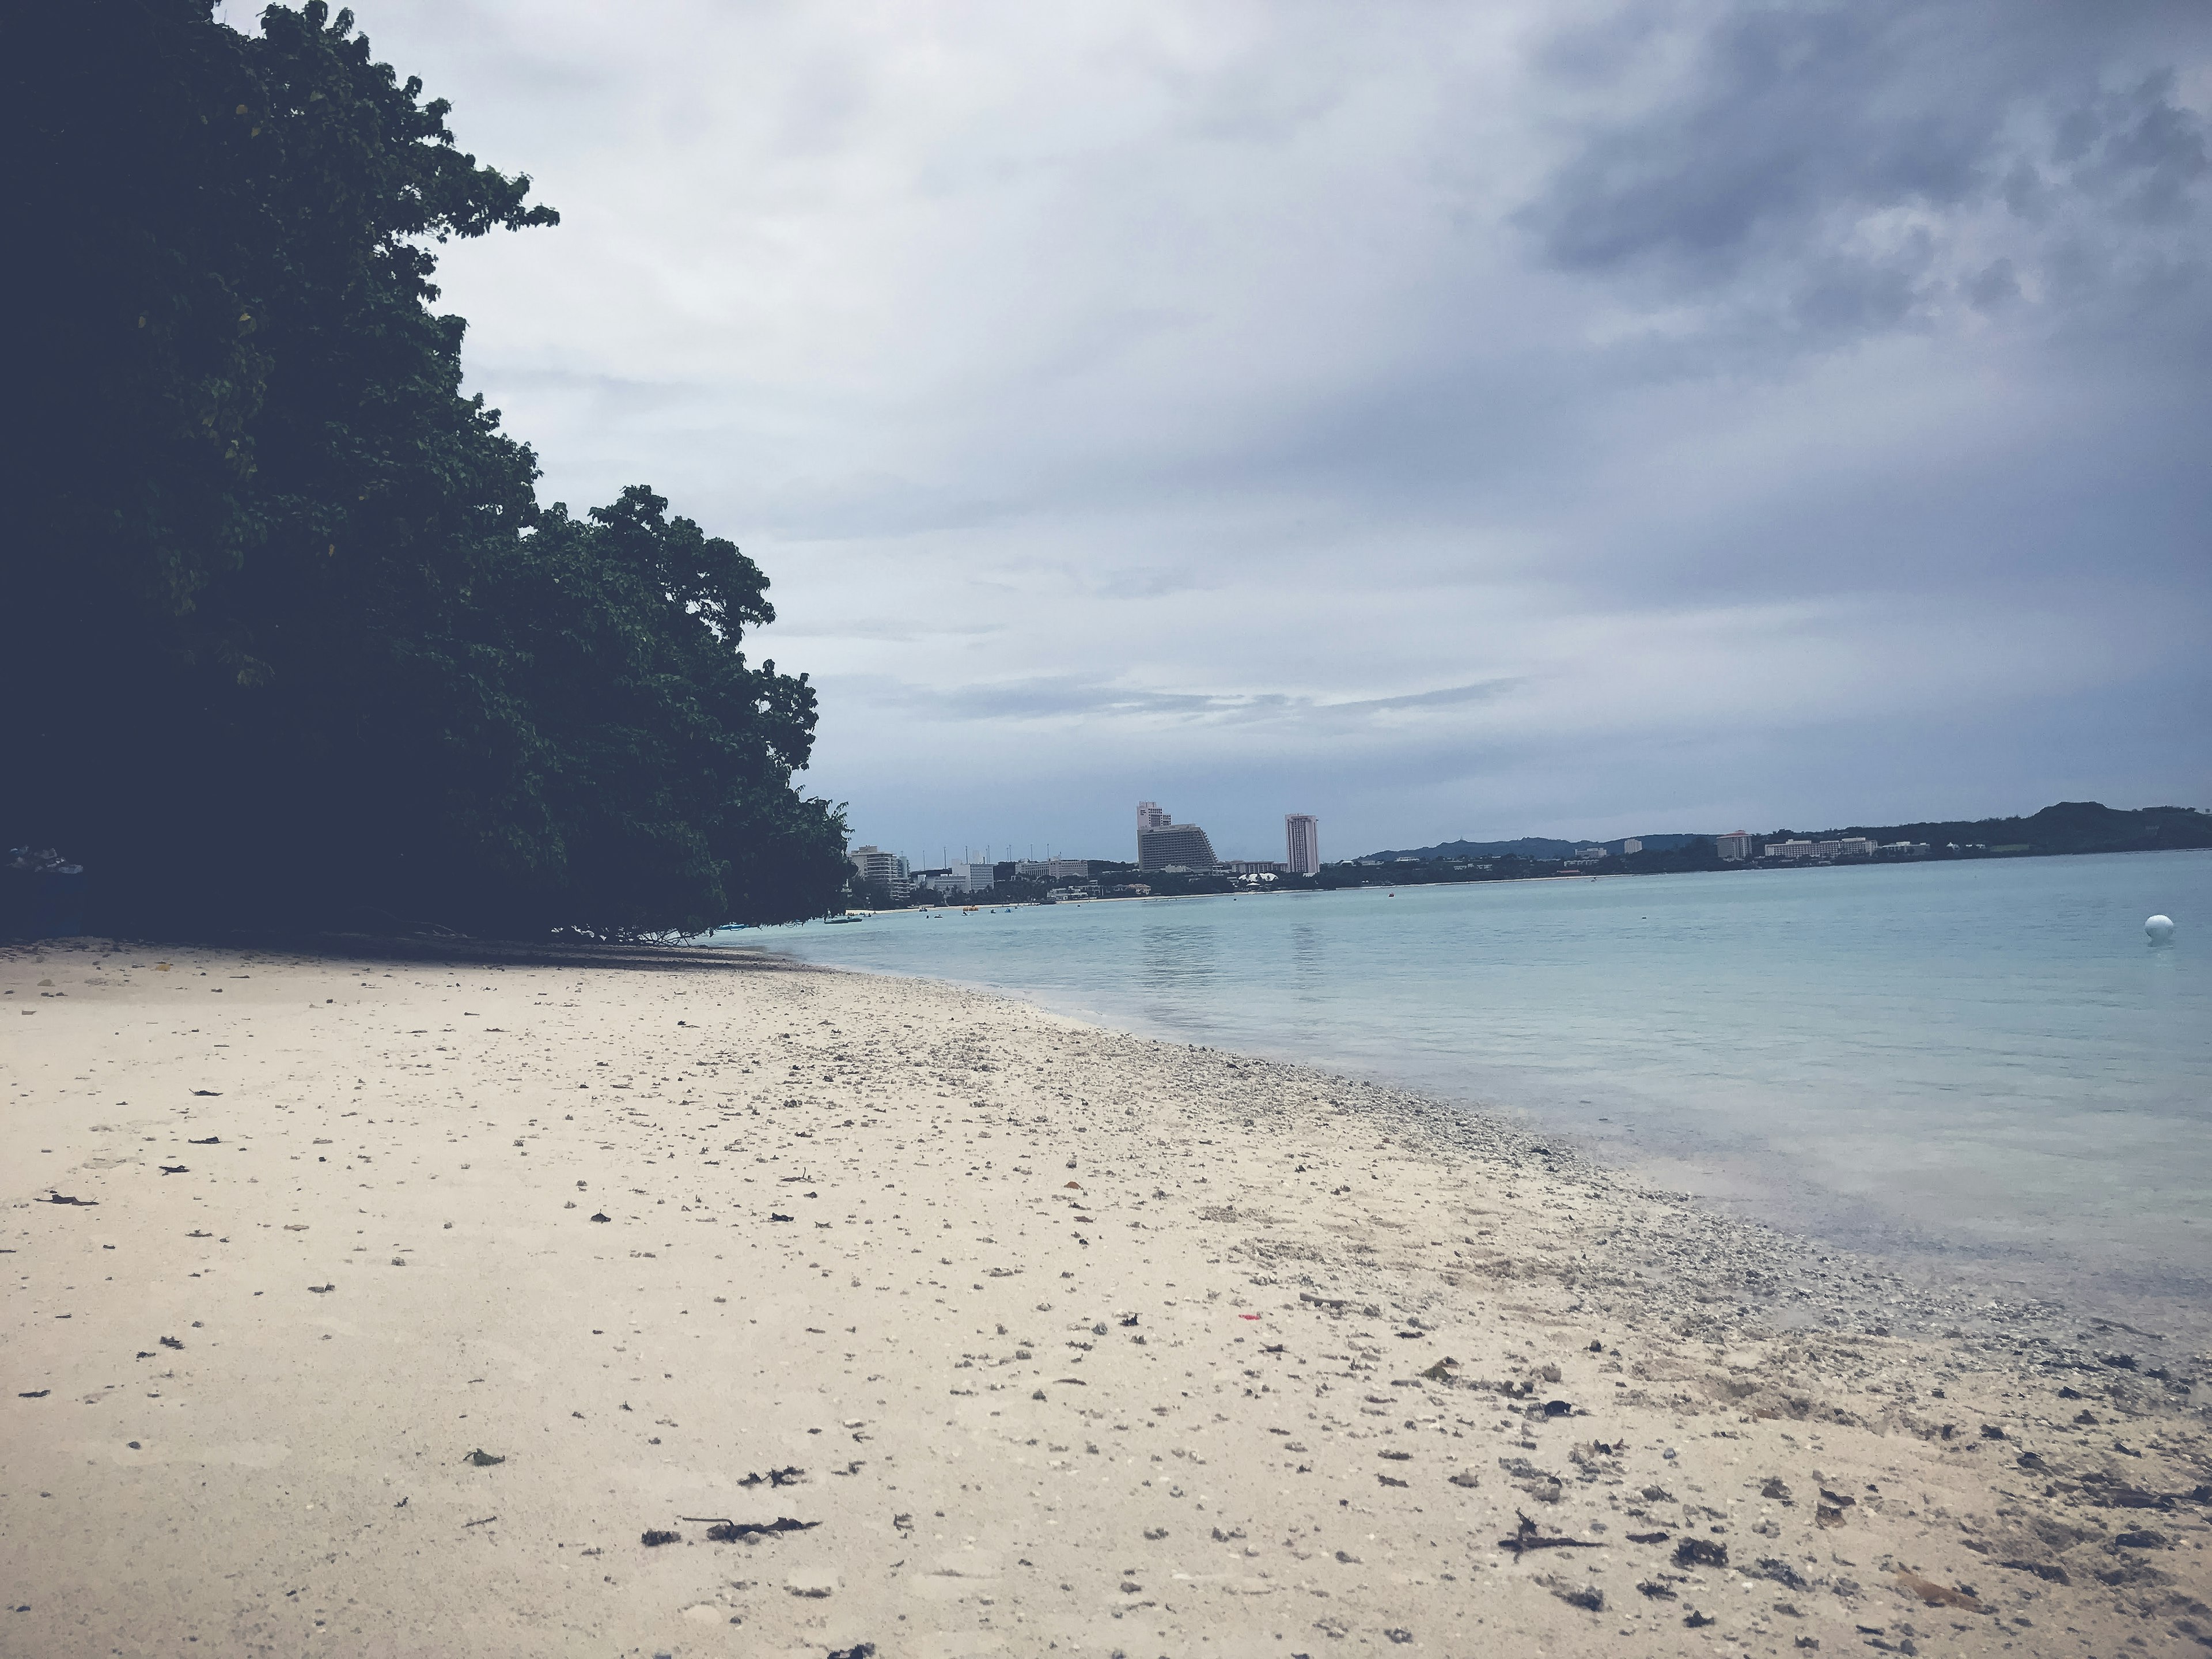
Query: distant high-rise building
x=1164 y=844
x=965 y=877
x=1302 y=831
x=1632 y=845
x=872 y=864
x=1735 y=846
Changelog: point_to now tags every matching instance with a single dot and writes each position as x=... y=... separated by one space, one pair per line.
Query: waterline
x=1982 y=1060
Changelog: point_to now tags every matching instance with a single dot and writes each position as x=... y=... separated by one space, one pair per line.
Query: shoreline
x=1074 y=1338
x=1479 y=1128
x=1730 y=867
x=1747 y=1191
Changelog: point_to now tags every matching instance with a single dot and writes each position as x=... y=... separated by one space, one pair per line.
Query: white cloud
x=1141 y=399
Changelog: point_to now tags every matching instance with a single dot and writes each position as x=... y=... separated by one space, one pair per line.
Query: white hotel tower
x=1164 y=844
x=1301 y=833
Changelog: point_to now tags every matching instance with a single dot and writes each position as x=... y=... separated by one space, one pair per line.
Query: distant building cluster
x=1847 y=846
x=966 y=876
x=872 y=865
x=1739 y=846
x=1163 y=846
x=1592 y=854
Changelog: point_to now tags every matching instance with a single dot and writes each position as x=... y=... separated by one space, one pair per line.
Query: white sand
x=1080 y=1344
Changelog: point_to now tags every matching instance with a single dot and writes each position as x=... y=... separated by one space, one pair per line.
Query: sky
x=1477 y=421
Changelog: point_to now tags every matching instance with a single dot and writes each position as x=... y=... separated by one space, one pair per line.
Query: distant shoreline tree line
x=286 y=637
x=2069 y=827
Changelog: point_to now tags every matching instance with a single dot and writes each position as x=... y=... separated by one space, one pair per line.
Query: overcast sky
x=1451 y=420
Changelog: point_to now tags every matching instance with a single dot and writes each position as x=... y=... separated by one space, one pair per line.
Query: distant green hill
x=2071 y=826
x=1531 y=847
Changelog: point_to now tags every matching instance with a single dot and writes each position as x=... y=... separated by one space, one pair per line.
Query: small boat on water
x=834 y=921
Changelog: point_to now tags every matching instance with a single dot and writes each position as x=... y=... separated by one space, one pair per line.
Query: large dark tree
x=285 y=637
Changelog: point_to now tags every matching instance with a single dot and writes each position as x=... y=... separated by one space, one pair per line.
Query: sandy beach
x=696 y=1303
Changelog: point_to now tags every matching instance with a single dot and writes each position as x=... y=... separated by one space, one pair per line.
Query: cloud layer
x=1484 y=421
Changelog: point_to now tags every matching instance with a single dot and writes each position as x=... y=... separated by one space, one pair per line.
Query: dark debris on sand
x=1526 y=1537
x=726 y=1531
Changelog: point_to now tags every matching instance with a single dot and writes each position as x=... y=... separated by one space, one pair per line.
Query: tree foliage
x=287 y=636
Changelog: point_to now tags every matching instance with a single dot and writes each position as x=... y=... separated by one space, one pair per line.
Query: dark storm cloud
x=1449 y=696
x=1841 y=169
x=1068 y=697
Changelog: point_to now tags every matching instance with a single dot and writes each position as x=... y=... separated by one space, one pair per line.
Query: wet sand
x=405 y=1300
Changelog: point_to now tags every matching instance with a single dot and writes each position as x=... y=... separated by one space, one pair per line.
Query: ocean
x=1983 y=1067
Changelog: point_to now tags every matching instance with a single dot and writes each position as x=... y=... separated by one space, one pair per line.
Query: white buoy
x=2160 y=929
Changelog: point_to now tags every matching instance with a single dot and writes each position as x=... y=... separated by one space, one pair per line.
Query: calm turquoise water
x=1986 y=1060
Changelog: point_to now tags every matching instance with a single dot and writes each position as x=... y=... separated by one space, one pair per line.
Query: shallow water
x=1980 y=1060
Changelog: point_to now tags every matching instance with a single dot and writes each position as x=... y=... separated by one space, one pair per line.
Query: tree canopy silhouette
x=288 y=637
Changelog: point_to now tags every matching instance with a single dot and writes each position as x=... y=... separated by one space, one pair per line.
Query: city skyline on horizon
x=1245 y=851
